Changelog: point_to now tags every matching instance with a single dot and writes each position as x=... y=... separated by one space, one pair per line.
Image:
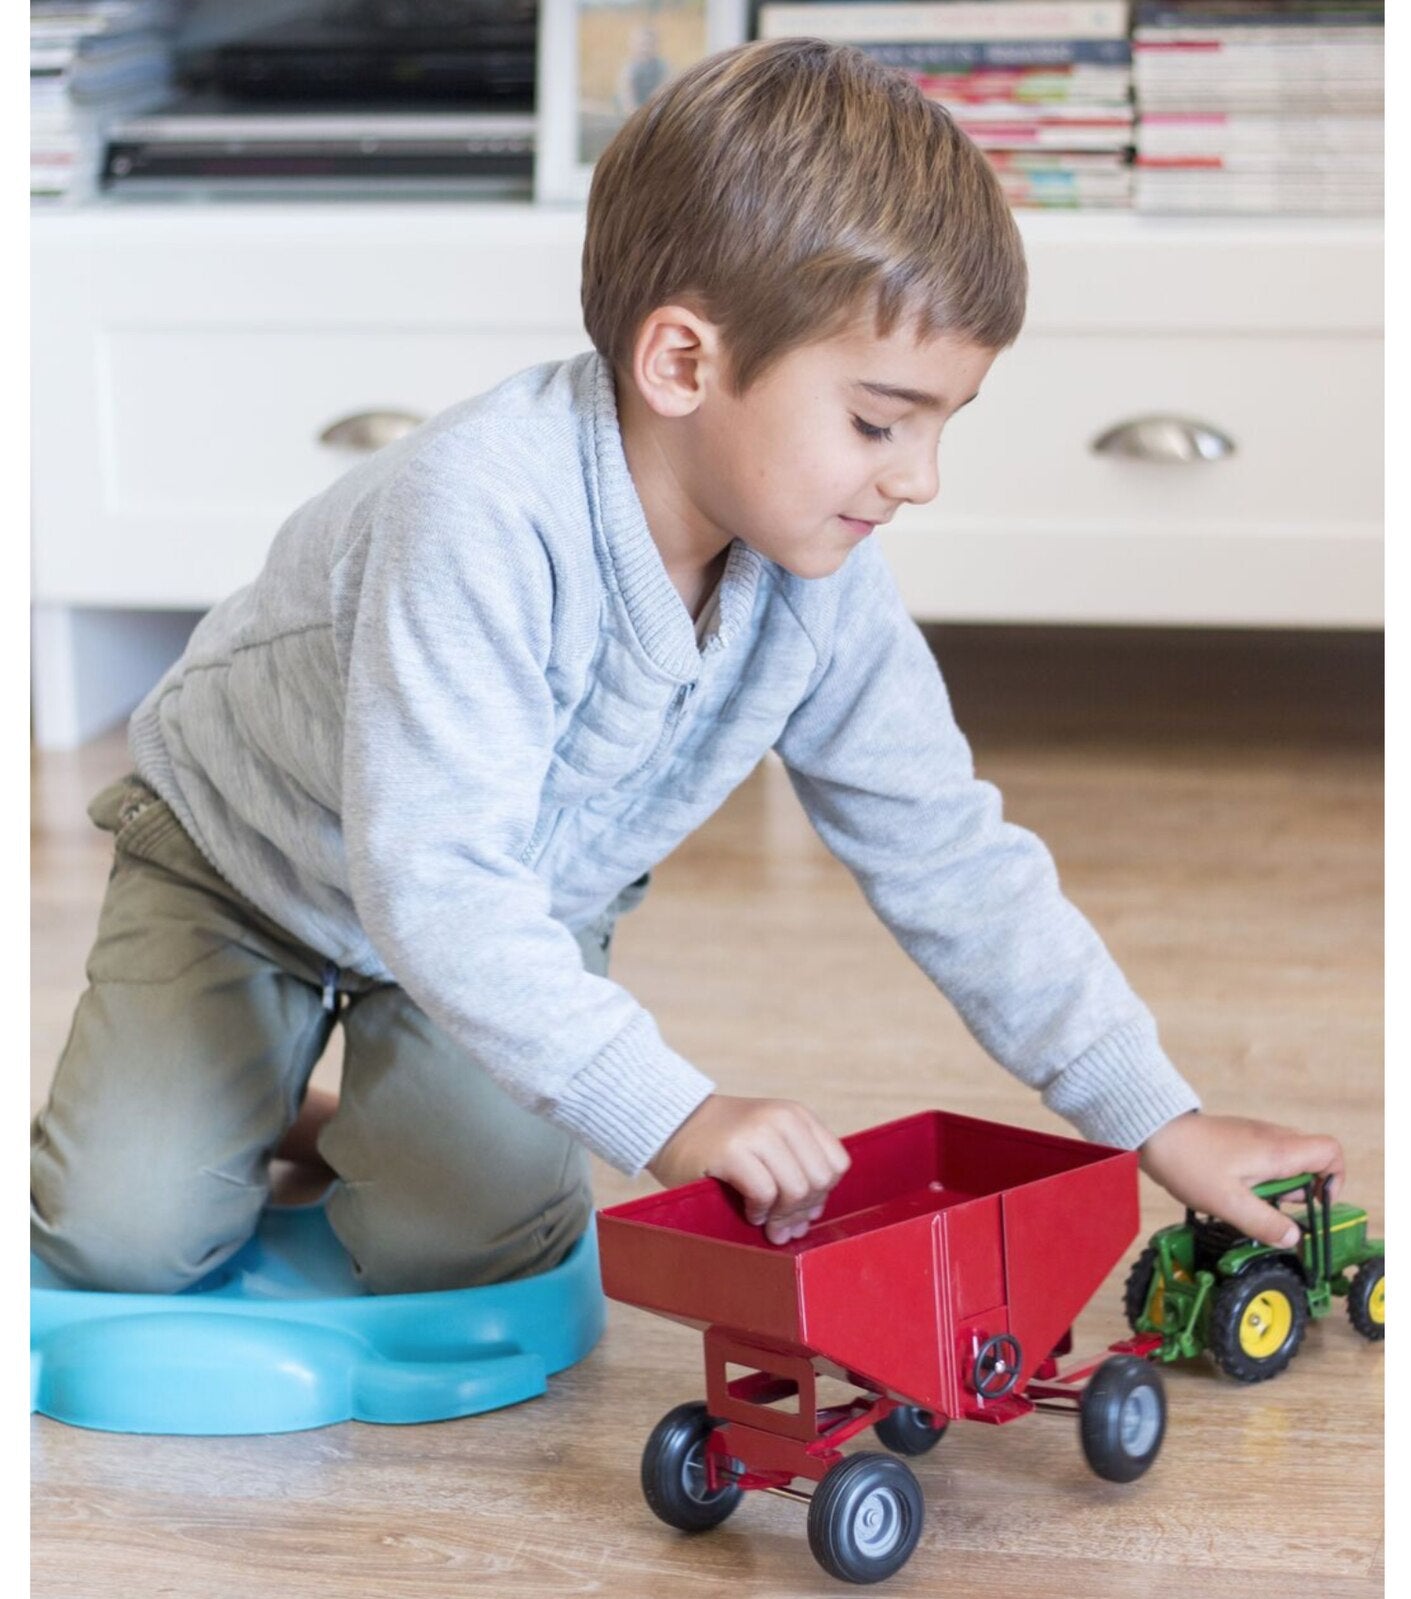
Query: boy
x=494 y=674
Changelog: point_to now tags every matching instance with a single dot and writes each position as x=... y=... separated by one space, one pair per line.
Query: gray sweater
x=462 y=707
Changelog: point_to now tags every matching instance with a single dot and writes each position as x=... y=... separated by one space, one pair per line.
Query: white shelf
x=188 y=354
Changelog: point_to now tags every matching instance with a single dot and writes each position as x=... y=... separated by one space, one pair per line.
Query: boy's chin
x=811 y=563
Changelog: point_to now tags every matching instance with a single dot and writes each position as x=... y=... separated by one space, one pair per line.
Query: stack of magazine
x=1259 y=106
x=1044 y=87
x=89 y=64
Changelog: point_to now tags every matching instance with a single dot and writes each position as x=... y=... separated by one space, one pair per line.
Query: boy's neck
x=692 y=550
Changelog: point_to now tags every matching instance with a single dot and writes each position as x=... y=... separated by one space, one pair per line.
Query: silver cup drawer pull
x=1171 y=439
x=366 y=431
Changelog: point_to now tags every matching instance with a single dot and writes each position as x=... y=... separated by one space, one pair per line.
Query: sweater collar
x=634 y=567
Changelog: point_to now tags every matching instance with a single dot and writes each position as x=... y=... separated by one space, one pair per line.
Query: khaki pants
x=188 y=1059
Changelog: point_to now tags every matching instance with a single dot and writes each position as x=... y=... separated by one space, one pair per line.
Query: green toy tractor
x=1204 y=1285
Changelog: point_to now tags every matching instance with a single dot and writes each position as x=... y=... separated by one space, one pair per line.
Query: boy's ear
x=676 y=359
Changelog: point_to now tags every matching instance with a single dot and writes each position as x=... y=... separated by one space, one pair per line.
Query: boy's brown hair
x=781 y=187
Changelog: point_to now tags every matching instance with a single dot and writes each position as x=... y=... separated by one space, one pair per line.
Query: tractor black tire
x=865 y=1518
x=1122 y=1418
x=1360 y=1310
x=909 y=1430
x=1138 y=1288
x=1237 y=1307
x=673 y=1472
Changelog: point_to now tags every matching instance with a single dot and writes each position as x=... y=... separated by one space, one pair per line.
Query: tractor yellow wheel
x=1144 y=1297
x=1257 y=1322
x=1366 y=1300
x=1266 y=1323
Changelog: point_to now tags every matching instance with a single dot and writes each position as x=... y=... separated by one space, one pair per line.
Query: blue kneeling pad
x=282 y=1337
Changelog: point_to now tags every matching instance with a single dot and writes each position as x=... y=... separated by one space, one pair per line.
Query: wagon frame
x=942 y=1284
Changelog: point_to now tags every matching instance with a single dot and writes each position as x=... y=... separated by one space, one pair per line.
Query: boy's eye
x=868 y=431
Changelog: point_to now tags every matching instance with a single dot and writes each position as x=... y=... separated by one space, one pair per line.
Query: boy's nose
x=916 y=479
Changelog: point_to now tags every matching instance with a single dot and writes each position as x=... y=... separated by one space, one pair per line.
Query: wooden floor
x=1215 y=807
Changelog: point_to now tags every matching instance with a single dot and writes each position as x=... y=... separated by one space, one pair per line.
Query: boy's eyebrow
x=928 y=402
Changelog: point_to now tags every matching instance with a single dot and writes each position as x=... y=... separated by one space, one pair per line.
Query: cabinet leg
x=90 y=667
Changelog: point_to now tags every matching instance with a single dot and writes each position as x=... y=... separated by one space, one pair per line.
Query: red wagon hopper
x=941 y=1283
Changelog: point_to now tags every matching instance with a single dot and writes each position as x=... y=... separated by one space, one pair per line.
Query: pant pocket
x=154 y=926
x=105 y=809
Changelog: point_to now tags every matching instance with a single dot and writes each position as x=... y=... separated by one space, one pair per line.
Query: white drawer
x=1030 y=521
x=209 y=438
x=234 y=417
x=187 y=358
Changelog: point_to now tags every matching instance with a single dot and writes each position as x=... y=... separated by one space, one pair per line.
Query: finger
x=836 y=1156
x=1319 y=1153
x=794 y=1193
x=807 y=1149
x=754 y=1182
x=1260 y=1221
x=1290 y=1155
x=1334 y=1168
x=833 y=1151
x=768 y=1178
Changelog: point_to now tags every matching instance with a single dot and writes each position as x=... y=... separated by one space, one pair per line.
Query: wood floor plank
x=1235 y=869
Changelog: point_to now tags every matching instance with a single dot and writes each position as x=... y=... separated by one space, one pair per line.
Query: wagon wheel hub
x=879 y=1523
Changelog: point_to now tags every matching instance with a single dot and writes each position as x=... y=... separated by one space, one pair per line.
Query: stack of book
x=89 y=62
x=1259 y=106
x=1044 y=87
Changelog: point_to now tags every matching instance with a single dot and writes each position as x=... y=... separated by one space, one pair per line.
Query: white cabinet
x=1033 y=524
x=188 y=359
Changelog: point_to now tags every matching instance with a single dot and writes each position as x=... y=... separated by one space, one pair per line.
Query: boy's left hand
x=1212 y=1162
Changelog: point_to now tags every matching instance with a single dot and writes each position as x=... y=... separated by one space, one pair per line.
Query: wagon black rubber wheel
x=865 y=1517
x=1122 y=1418
x=1257 y=1322
x=1366 y=1299
x=909 y=1430
x=1138 y=1288
x=673 y=1472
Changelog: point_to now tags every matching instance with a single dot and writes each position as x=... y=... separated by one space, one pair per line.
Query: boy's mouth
x=854 y=526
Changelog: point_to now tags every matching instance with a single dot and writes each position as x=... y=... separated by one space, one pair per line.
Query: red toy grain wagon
x=942 y=1283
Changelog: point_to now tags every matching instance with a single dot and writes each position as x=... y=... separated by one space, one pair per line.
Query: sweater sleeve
x=888 y=782
x=448 y=735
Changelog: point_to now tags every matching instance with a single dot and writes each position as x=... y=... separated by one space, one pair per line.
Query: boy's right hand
x=778 y=1155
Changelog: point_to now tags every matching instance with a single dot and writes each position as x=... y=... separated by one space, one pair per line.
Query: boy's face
x=825 y=445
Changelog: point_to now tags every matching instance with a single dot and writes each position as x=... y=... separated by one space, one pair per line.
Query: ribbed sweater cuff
x=1122 y=1089
x=628 y=1101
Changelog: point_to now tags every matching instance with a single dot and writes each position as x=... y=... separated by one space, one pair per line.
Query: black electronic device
x=473 y=54
x=381 y=95
x=203 y=142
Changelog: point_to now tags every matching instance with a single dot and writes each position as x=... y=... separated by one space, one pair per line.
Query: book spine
x=1094 y=163
x=1282 y=164
x=1003 y=112
x=1064 y=138
x=1251 y=46
x=1039 y=88
x=1213 y=17
x=979 y=54
x=961 y=19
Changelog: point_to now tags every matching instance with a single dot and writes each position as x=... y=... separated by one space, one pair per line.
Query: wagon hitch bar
x=1060 y=1391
